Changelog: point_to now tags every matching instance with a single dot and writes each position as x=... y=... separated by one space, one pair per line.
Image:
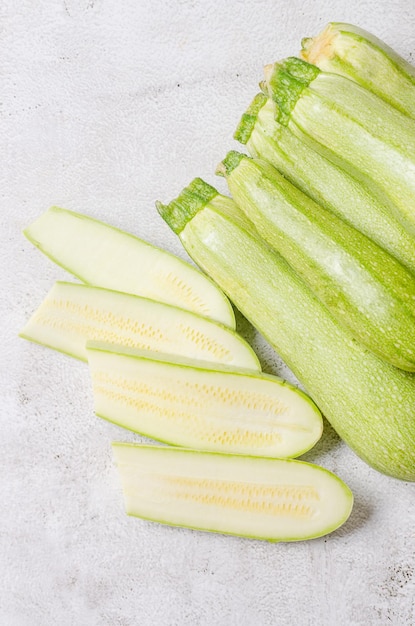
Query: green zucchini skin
x=352 y=127
x=370 y=403
x=357 y=54
x=253 y=497
x=366 y=290
x=330 y=186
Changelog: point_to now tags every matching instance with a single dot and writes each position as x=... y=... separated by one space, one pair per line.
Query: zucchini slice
x=101 y=255
x=71 y=314
x=185 y=403
x=271 y=499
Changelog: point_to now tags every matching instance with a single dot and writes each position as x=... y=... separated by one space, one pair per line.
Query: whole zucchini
x=370 y=403
x=326 y=183
x=353 y=52
x=366 y=289
x=350 y=125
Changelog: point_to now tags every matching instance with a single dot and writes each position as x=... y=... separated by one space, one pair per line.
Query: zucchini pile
x=316 y=247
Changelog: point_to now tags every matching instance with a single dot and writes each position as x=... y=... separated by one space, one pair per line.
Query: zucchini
x=101 y=255
x=368 y=402
x=353 y=52
x=72 y=313
x=196 y=405
x=271 y=499
x=329 y=185
x=352 y=126
x=365 y=289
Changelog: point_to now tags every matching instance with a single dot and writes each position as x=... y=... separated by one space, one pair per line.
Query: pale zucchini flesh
x=351 y=126
x=330 y=186
x=357 y=54
x=196 y=406
x=270 y=499
x=72 y=314
x=101 y=255
x=368 y=402
x=364 y=287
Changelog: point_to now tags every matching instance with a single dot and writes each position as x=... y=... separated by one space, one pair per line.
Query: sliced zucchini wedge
x=272 y=499
x=73 y=313
x=101 y=255
x=187 y=404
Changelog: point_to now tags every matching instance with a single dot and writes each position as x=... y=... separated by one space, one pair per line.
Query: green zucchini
x=352 y=126
x=370 y=403
x=353 y=52
x=72 y=314
x=200 y=405
x=101 y=255
x=365 y=289
x=270 y=499
x=329 y=185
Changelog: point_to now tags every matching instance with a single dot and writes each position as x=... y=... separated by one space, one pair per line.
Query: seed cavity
x=216 y=414
x=97 y=323
x=180 y=289
x=206 y=344
x=293 y=501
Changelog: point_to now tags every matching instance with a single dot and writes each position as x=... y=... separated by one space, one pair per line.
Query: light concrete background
x=106 y=106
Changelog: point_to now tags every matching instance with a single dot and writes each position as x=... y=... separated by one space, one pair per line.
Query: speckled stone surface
x=106 y=106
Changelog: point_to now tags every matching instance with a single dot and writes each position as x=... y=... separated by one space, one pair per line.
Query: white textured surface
x=106 y=106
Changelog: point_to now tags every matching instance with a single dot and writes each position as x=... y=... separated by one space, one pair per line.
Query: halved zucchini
x=198 y=405
x=272 y=499
x=72 y=313
x=101 y=255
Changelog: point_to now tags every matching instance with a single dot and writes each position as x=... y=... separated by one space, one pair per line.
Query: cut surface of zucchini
x=189 y=404
x=271 y=499
x=101 y=255
x=72 y=314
